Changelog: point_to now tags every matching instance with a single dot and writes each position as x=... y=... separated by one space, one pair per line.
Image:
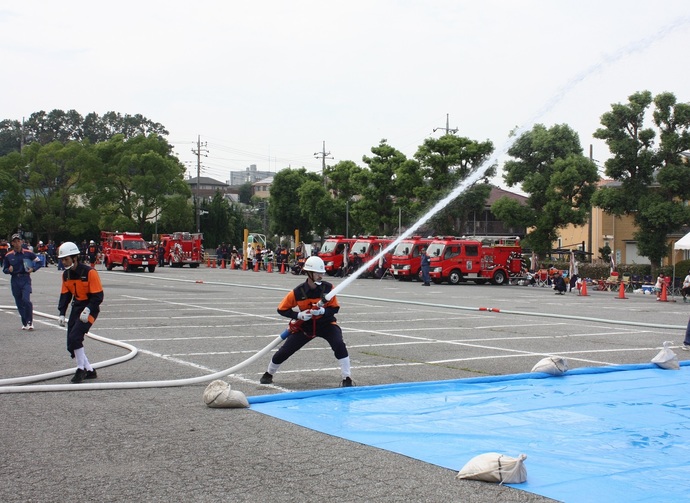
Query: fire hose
x=5 y=384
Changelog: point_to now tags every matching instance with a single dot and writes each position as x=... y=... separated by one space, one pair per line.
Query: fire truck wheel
x=193 y=266
x=454 y=277
x=152 y=268
x=108 y=264
x=499 y=278
x=125 y=265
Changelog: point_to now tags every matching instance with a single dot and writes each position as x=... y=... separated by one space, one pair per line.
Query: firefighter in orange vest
x=314 y=316
x=92 y=252
x=4 y=248
x=81 y=287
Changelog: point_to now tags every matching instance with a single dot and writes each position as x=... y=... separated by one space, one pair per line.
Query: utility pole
x=21 y=139
x=200 y=150
x=590 y=216
x=323 y=155
x=447 y=129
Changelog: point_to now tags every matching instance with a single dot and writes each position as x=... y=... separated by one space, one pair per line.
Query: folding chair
x=636 y=281
x=677 y=287
x=626 y=279
x=542 y=277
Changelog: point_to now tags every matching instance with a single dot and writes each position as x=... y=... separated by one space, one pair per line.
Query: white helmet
x=68 y=249
x=315 y=264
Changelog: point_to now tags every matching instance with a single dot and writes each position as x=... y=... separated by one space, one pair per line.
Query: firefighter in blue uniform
x=20 y=263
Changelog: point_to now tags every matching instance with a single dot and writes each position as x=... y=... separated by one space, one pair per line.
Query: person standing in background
x=425 y=265
x=20 y=263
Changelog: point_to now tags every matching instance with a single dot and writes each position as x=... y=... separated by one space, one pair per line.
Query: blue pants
x=21 y=291
x=76 y=330
x=425 y=275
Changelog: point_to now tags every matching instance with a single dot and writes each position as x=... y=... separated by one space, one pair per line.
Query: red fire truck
x=364 y=249
x=333 y=252
x=455 y=259
x=406 y=262
x=183 y=248
x=126 y=249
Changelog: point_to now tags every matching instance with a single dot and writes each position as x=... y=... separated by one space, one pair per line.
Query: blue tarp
x=613 y=433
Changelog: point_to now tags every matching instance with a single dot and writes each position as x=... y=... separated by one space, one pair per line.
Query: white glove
x=84 y=316
x=304 y=315
x=318 y=312
x=61 y=320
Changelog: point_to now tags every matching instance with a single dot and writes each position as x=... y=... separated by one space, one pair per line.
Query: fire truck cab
x=334 y=253
x=456 y=260
x=183 y=248
x=364 y=249
x=406 y=261
x=126 y=249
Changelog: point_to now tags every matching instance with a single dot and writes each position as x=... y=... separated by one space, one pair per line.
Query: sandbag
x=495 y=467
x=554 y=365
x=219 y=395
x=666 y=358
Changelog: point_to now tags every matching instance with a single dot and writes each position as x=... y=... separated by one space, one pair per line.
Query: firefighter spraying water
x=314 y=316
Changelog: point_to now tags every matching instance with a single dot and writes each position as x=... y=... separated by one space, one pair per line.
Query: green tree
x=176 y=214
x=61 y=126
x=218 y=224
x=53 y=177
x=245 y=193
x=654 y=183
x=284 y=207
x=559 y=179
x=316 y=206
x=445 y=163
x=376 y=210
x=10 y=136
x=134 y=179
x=341 y=184
x=12 y=199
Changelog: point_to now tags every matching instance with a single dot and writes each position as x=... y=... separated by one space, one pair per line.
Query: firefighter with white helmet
x=314 y=317
x=92 y=253
x=81 y=286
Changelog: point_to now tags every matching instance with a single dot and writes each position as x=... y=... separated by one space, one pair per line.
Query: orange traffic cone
x=256 y=266
x=213 y=264
x=664 y=294
x=244 y=265
x=208 y=262
x=621 y=291
x=232 y=263
x=583 y=289
x=222 y=264
x=282 y=268
x=269 y=267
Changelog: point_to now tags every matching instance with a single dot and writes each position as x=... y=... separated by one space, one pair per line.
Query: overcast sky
x=266 y=82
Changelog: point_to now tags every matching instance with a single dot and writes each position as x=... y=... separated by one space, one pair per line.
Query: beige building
x=617 y=232
x=604 y=229
x=262 y=188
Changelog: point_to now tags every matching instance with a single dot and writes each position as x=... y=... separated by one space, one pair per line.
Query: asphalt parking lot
x=164 y=444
